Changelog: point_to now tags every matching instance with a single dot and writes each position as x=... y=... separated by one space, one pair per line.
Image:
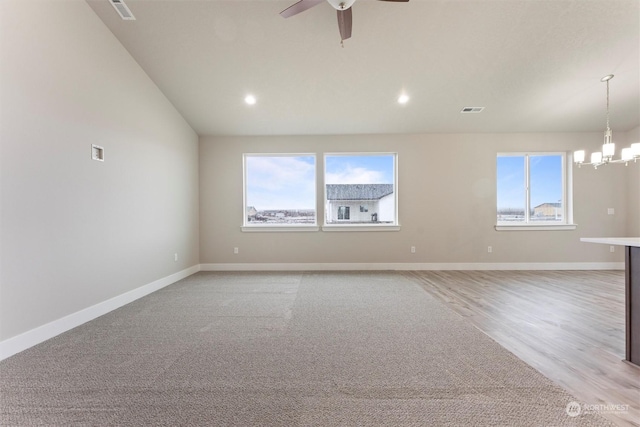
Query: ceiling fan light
x=626 y=154
x=635 y=149
x=578 y=156
x=341 y=4
x=608 y=150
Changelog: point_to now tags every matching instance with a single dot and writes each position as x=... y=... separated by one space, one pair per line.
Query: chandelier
x=605 y=156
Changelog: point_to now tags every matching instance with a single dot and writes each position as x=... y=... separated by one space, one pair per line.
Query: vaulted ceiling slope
x=534 y=65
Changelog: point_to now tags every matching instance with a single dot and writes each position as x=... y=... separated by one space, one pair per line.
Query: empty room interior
x=423 y=212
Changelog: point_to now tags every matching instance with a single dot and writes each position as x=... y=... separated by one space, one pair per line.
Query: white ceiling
x=535 y=65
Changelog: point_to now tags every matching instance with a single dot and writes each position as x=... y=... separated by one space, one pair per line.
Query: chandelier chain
x=607 y=104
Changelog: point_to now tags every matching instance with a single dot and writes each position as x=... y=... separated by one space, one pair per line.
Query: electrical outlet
x=236 y=250
x=413 y=249
x=175 y=256
x=611 y=211
x=97 y=153
x=612 y=248
x=489 y=249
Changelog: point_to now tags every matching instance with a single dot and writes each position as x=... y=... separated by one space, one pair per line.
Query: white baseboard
x=412 y=266
x=21 y=342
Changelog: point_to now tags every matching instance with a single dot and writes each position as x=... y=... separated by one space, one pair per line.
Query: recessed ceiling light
x=250 y=99
x=403 y=99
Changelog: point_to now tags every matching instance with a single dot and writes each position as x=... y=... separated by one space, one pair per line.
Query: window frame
x=347 y=226
x=254 y=227
x=567 y=194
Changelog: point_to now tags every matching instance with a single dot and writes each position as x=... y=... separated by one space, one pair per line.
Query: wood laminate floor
x=570 y=325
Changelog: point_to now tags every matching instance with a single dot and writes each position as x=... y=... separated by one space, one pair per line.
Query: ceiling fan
x=342 y=6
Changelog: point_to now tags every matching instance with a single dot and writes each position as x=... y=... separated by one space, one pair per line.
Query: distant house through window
x=360 y=189
x=360 y=192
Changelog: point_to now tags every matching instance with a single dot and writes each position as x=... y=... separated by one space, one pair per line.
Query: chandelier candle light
x=605 y=156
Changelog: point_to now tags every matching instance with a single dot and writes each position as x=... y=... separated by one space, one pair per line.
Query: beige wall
x=633 y=193
x=76 y=232
x=446 y=203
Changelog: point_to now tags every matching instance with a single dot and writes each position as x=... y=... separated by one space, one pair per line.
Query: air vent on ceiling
x=472 y=109
x=122 y=10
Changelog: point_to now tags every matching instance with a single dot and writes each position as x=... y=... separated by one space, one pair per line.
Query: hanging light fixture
x=605 y=156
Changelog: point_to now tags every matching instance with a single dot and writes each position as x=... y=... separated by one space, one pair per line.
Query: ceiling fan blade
x=344 y=23
x=298 y=7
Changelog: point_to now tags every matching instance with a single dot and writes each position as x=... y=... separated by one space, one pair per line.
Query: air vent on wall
x=472 y=109
x=122 y=10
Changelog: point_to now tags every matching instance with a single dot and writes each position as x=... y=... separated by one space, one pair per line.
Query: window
x=279 y=190
x=532 y=189
x=343 y=212
x=360 y=190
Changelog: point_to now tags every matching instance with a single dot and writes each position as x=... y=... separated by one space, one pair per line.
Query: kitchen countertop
x=621 y=241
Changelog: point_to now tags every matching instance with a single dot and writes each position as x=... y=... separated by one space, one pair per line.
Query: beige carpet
x=285 y=349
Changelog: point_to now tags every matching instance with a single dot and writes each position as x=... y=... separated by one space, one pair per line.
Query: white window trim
x=279 y=228
x=536 y=227
x=246 y=227
x=567 y=196
x=360 y=227
x=395 y=226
